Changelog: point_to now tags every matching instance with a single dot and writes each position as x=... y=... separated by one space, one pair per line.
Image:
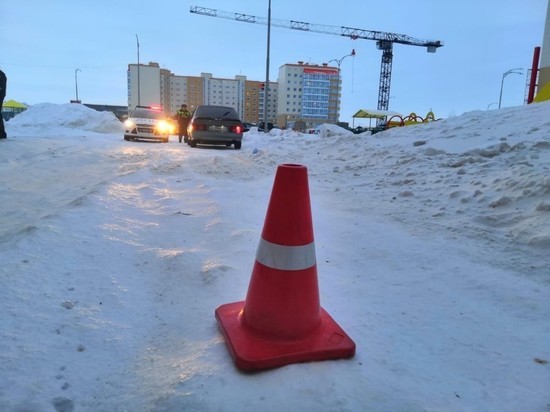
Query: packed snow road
x=115 y=254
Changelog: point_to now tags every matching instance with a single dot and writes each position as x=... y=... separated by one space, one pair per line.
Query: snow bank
x=432 y=244
x=69 y=116
x=480 y=171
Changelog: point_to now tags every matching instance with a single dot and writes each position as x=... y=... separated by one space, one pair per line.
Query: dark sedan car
x=270 y=126
x=247 y=126
x=217 y=125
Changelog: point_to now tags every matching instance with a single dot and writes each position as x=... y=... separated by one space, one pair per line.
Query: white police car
x=148 y=123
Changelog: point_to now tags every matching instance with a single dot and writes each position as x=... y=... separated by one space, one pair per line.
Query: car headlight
x=129 y=124
x=163 y=126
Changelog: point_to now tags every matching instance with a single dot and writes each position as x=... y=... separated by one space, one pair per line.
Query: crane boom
x=344 y=31
x=384 y=40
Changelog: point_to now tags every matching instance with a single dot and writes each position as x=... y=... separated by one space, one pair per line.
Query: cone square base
x=253 y=352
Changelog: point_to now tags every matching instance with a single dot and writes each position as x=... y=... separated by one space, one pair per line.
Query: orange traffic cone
x=281 y=321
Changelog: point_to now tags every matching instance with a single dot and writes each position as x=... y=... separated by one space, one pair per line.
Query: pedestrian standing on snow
x=183 y=116
x=3 y=84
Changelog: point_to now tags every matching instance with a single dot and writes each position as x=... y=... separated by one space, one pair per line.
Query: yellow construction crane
x=384 y=41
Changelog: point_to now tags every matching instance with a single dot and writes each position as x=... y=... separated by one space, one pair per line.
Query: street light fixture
x=339 y=61
x=76 y=84
x=511 y=71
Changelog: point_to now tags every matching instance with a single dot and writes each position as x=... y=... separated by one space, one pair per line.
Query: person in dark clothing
x=3 y=84
x=183 y=116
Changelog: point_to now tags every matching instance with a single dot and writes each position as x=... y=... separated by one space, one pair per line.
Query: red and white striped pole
x=534 y=75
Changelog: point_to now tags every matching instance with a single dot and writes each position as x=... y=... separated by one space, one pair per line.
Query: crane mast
x=384 y=41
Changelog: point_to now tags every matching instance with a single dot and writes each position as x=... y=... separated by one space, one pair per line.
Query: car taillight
x=198 y=126
x=237 y=129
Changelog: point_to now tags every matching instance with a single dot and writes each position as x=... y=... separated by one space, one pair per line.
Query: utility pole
x=139 y=85
x=76 y=84
x=266 y=91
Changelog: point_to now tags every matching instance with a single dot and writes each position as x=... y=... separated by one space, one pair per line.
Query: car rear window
x=217 y=112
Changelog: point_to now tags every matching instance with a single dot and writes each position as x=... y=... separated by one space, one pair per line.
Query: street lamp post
x=339 y=62
x=76 y=84
x=139 y=88
x=511 y=71
x=266 y=91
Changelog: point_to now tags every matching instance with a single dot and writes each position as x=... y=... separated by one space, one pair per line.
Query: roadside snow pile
x=483 y=174
x=432 y=243
x=69 y=116
x=493 y=166
x=332 y=130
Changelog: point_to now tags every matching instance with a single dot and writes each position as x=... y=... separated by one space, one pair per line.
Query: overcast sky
x=43 y=43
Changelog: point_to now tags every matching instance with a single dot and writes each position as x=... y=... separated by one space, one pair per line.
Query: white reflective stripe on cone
x=285 y=257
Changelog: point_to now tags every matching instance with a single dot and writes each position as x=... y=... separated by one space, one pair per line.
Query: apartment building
x=151 y=87
x=309 y=93
x=306 y=92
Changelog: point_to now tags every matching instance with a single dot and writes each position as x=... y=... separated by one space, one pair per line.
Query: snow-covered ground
x=433 y=254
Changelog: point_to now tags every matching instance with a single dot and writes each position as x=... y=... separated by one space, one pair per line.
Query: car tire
x=192 y=143
x=237 y=145
x=127 y=138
